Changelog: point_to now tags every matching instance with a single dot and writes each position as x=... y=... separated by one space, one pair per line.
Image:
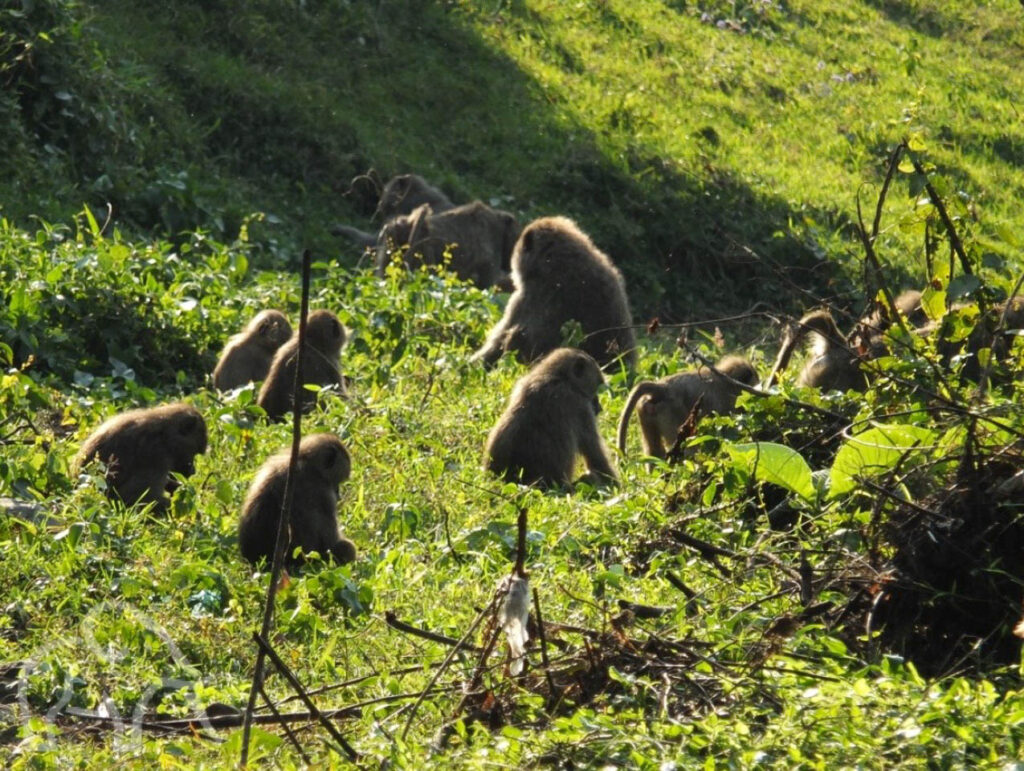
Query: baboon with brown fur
x=832 y=365
x=480 y=238
x=983 y=336
x=401 y=196
x=406 y=192
x=550 y=420
x=908 y=303
x=325 y=336
x=323 y=465
x=560 y=276
x=142 y=448
x=662 y=405
x=247 y=355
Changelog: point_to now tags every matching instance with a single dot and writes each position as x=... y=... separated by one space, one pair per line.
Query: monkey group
x=567 y=317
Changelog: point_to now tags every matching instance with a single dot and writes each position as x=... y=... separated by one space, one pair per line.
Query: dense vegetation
x=832 y=579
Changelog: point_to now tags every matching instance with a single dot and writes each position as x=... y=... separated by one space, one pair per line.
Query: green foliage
x=116 y=609
x=713 y=149
x=833 y=576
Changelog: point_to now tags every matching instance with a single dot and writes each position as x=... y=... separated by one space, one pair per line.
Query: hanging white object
x=512 y=617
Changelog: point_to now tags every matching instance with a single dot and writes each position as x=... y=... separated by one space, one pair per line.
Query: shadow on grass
x=297 y=103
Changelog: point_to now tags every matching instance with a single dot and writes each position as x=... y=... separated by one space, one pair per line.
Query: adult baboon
x=325 y=336
x=247 y=355
x=323 y=465
x=142 y=448
x=560 y=276
x=550 y=420
x=480 y=238
x=983 y=336
x=832 y=365
x=663 y=405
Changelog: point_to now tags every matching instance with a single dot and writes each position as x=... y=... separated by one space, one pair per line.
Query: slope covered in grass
x=721 y=142
x=820 y=581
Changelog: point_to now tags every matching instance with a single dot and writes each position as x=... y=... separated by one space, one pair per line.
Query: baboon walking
x=142 y=448
x=663 y=405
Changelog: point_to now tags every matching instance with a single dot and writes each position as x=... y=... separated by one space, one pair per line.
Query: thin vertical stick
x=313 y=710
x=280 y=542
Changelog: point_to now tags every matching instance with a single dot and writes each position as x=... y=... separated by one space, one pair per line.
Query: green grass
x=112 y=606
x=682 y=136
x=716 y=150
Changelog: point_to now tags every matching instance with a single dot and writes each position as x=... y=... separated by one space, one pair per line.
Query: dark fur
x=560 y=276
x=325 y=336
x=480 y=238
x=550 y=420
x=248 y=355
x=401 y=196
x=833 y=365
x=142 y=448
x=323 y=465
x=663 y=405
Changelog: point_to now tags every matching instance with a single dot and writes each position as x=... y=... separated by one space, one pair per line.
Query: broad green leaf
x=874 y=452
x=776 y=463
x=933 y=301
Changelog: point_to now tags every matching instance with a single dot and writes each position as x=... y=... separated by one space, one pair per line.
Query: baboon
x=323 y=465
x=142 y=448
x=402 y=195
x=908 y=303
x=833 y=364
x=551 y=418
x=663 y=405
x=983 y=336
x=480 y=238
x=406 y=192
x=247 y=355
x=481 y=241
x=559 y=276
x=325 y=336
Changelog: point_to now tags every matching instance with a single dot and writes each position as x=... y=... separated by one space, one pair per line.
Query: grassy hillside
x=721 y=142
x=820 y=581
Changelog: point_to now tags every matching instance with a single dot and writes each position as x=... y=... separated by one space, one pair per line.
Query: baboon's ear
x=528 y=241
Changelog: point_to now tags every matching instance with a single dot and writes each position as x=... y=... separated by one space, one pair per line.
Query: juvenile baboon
x=480 y=238
x=833 y=364
x=325 y=336
x=247 y=355
x=551 y=418
x=663 y=405
x=142 y=448
x=323 y=465
x=983 y=336
x=402 y=195
x=560 y=276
